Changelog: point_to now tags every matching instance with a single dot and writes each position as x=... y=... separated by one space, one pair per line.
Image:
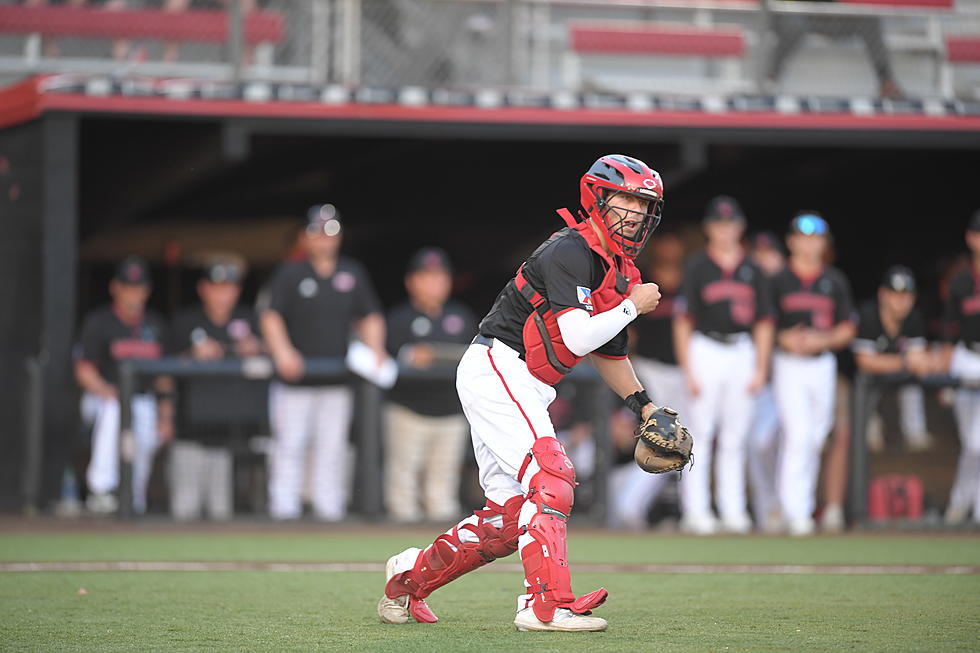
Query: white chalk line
x=502 y=567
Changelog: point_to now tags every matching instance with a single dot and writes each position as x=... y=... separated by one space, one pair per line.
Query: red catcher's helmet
x=617 y=174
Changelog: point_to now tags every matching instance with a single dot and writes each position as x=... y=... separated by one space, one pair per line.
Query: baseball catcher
x=663 y=444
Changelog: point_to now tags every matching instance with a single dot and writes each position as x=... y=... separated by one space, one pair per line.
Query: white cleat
x=395 y=611
x=564 y=619
x=802 y=527
x=705 y=524
x=739 y=523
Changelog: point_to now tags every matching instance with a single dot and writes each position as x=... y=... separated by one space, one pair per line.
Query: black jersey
x=723 y=301
x=192 y=325
x=566 y=271
x=962 y=315
x=819 y=302
x=105 y=340
x=655 y=330
x=872 y=338
x=318 y=311
x=408 y=326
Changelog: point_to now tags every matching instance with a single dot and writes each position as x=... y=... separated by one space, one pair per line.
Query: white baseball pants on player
x=103 y=468
x=423 y=451
x=309 y=421
x=805 y=392
x=725 y=405
x=965 y=493
x=764 y=445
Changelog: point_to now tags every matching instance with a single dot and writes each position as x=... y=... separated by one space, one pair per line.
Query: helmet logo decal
x=649 y=182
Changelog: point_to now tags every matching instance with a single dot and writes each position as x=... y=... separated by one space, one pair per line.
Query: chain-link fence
x=926 y=48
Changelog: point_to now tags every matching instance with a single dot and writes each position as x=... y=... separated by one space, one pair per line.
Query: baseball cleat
x=398 y=610
x=564 y=619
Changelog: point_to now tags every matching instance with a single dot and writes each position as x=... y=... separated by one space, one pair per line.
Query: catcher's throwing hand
x=663 y=443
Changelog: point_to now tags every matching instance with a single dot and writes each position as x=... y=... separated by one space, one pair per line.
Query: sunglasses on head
x=810 y=225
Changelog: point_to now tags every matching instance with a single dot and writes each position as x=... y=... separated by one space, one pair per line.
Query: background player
x=313 y=307
x=123 y=330
x=815 y=316
x=963 y=353
x=201 y=464
x=573 y=297
x=426 y=431
x=723 y=335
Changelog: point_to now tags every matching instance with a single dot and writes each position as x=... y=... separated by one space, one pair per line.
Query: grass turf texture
x=262 y=611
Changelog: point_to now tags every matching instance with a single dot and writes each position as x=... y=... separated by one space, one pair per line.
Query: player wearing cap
x=426 y=430
x=962 y=351
x=123 y=330
x=891 y=339
x=200 y=469
x=815 y=317
x=311 y=309
x=722 y=335
x=572 y=298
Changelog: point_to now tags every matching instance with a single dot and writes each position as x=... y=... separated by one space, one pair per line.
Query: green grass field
x=335 y=610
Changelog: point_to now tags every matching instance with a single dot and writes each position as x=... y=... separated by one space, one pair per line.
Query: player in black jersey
x=426 y=431
x=723 y=336
x=123 y=330
x=201 y=464
x=815 y=317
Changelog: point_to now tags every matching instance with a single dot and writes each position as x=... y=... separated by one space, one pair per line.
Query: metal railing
x=487 y=43
x=368 y=419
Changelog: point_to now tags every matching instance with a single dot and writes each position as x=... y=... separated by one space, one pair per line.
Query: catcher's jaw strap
x=451 y=556
x=545 y=558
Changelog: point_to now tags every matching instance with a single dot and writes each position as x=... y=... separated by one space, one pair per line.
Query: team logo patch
x=585 y=297
x=344 y=281
x=452 y=324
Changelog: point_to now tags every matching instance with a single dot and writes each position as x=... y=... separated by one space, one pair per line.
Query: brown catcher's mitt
x=663 y=443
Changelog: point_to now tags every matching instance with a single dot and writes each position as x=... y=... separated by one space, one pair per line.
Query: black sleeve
x=278 y=295
x=687 y=294
x=366 y=299
x=91 y=341
x=397 y=331
x=763 y=293
x=566 y=268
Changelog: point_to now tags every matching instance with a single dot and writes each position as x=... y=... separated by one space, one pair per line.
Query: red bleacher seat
x=656 y=38
x=963 y=49
x=911 y=4
x=190 y=25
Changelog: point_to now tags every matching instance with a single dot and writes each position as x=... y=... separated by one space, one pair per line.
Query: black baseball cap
x=724 y=207
x=809 y=223
x=223 y=272
x=133 y=270
x=430 y=257
x=323 y=219
x=899 y=278
x=974 y=224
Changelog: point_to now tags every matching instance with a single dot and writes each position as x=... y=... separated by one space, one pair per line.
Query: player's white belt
x=727 y=338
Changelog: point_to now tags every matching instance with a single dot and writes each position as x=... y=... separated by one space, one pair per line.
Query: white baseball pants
x=314 y=422
x=965 y=493
x=102 y=414
x=724 y=405
x=805 y=391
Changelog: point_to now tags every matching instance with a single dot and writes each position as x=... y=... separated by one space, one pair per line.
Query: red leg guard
x=545 y=559
x=448 y=557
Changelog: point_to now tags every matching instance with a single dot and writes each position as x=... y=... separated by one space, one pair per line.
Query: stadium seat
x=620 y=41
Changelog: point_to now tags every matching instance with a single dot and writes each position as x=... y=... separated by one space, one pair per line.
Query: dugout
x=91 y=169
